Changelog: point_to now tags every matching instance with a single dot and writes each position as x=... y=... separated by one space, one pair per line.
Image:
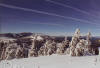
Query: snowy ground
x=6 y=38
x=53 y=61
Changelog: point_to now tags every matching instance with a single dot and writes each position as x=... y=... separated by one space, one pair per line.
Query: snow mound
x=53 y=61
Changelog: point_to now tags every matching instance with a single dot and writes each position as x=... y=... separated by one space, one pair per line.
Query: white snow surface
x=53 y=61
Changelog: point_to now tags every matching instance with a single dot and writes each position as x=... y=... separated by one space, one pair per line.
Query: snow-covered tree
x=74 y=41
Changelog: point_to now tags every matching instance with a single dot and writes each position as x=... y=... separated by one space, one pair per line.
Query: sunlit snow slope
x=53 y=61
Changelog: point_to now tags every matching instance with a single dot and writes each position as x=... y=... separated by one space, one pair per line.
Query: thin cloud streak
x=47 y=13
x=50 y=24
x=76 y=9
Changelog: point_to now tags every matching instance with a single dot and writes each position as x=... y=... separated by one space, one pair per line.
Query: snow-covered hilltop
x=35 y=45
x=53 y=61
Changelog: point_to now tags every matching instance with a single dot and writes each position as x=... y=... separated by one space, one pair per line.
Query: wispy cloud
x=49 y=24
x=47 y=13
x=74 y=8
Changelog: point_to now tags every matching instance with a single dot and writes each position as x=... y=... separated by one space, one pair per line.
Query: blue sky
x=53 y=17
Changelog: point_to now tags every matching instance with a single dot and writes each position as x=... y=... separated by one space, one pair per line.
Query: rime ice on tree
x=74 y=41
x=80 y=47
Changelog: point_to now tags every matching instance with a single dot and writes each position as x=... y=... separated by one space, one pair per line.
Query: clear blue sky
x=54 y=17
